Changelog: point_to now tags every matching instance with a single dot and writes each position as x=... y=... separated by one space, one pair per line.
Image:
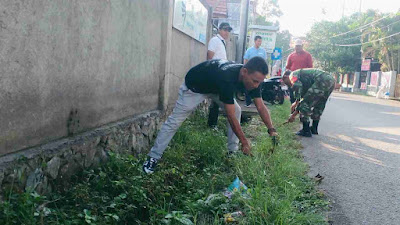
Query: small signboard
x=366 y=65
x=363 y=86
x=276 y=54
x=268 y=35
x=190 y=17
x=374 y=78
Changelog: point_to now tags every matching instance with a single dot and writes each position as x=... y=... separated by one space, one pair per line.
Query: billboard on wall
x=385 y=79
x=363 y=86
x=374 y=78
x=366 y=65
x=268 y=35
x=190 y=17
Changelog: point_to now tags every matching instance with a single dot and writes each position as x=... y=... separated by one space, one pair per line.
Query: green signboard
x=268 y=35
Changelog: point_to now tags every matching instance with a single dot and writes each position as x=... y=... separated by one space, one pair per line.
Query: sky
x=300 y=15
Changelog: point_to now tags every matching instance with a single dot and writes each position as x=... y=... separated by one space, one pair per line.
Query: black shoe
x=314 y=127
x=232 y=154
x=150 y=165
x=304 y=133
x=314 y=130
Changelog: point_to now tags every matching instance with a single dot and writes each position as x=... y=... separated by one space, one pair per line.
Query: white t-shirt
x=217 y=46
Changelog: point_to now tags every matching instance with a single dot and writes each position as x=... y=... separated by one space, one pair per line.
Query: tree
x=283 y=40
x=265 y=13
x=336 y=45
x=328 y=56
x=268 y=8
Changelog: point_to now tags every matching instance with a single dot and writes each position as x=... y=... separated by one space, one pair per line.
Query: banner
x=363 y=86
x=374 y=78
x=366 y=65
x=385 y=80
x=190 y=17
x=268 y=39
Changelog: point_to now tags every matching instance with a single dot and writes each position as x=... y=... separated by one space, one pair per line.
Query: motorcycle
x=272 y=91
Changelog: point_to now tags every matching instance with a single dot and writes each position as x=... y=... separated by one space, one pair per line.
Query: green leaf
x=184 y=220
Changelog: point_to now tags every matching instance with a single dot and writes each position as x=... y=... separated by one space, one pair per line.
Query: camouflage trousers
x=314 y=100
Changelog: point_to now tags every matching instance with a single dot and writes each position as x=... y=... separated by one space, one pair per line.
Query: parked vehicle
x=272 y=91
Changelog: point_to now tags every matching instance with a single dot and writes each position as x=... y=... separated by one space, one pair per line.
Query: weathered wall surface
x=182 y=46
x=41 y=167
x=79 y=79
x=69 y=66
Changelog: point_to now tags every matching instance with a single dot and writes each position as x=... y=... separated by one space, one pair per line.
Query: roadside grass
x=188 y=185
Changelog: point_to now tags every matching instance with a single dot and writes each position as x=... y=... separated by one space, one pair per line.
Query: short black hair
x=257 y=64
x=257 y=37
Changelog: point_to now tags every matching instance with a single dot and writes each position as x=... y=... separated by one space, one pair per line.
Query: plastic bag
x=236 y=185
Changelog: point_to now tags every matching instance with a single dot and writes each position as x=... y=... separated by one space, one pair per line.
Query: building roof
x=219 y=8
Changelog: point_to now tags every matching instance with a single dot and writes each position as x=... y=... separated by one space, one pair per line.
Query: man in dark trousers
x=218 y=80
x=217 y=50
x=311 y=88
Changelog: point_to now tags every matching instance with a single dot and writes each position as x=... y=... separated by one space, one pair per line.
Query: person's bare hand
x=293 y=107
x=291 y=118
x=273 y=134
x=246 y=149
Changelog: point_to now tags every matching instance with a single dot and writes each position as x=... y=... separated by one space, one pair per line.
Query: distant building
x=229 y=11
x=219 y=8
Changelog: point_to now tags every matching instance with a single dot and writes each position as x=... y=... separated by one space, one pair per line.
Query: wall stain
x=73 y=123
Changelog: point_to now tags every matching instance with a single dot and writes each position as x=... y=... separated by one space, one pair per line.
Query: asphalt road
x=358 y=152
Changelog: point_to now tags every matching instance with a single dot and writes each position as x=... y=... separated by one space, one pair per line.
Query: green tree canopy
x=339 y=46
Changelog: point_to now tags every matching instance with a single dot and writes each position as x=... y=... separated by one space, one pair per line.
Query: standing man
x=218 y=80
x=217 y=50
x=251 y=52
x=312 y=88
x=299 y=59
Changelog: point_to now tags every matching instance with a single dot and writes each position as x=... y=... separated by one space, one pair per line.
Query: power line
x=361 y=27
x=370 y=31
x=368 y=41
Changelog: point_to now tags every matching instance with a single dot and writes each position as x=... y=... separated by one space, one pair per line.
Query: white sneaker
x=150 y=165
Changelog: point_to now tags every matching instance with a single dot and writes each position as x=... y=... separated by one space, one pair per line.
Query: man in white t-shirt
x=217 y=44
x=217 y=50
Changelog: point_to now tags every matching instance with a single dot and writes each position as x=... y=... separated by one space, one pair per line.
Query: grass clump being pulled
x=188 y=185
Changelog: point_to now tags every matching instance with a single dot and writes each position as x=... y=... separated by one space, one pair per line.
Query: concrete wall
x=69 y=66
x=231 y=47
x=182 y=60
x=79 y=79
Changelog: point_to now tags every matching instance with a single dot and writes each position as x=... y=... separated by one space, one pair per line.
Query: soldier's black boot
x=305 y=132
x=314 y=127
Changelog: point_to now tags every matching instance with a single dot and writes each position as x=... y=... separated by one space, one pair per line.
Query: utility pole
x=361 y=38
x=398 y=58
x=244 y=18
x=344 y=3
x=357 y=80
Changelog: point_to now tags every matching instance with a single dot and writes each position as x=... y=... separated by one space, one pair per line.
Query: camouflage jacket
x=303 y=79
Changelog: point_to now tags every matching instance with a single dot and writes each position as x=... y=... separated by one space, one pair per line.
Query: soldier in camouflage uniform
x=312 y=88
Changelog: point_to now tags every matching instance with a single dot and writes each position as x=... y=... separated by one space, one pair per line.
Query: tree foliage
x=325 y=40
x=283 y=40
x=265 y=13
